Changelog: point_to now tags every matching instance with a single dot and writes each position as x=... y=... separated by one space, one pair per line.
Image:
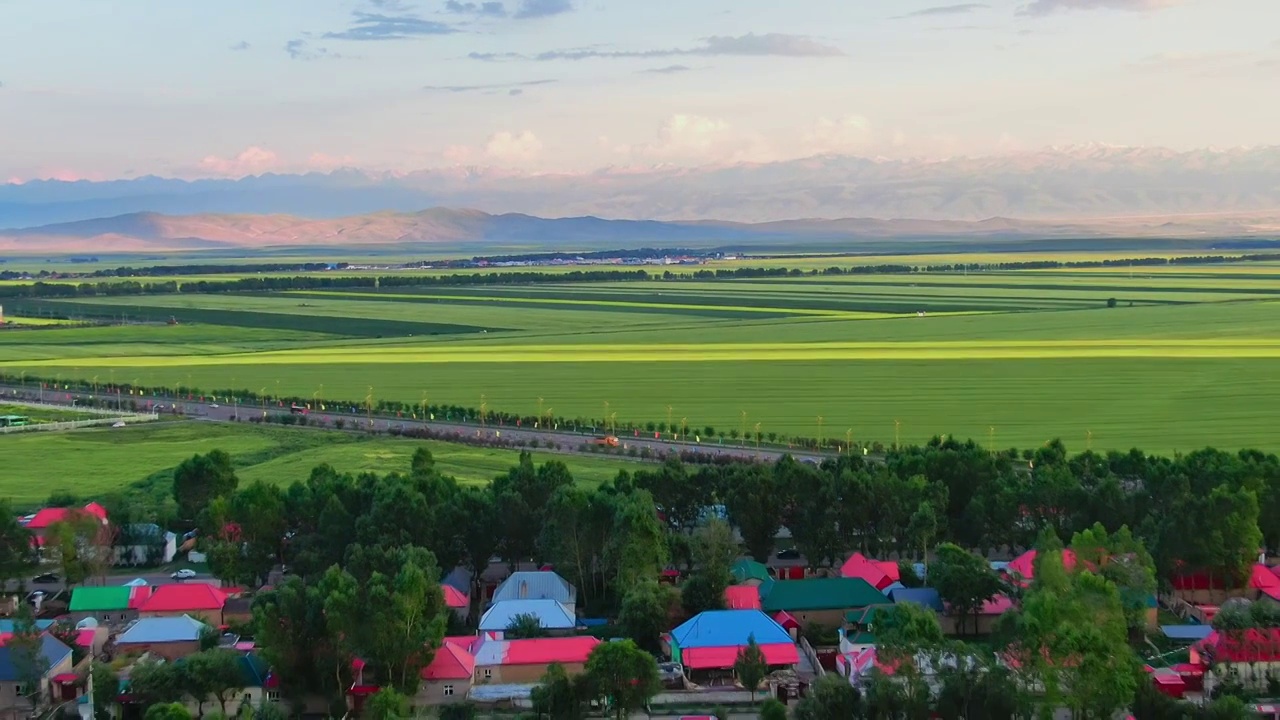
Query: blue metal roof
x=1186 y=632
x=160 y=629
x=536 y=586
x=6 y=625
x=553 y=615
x=728 y=628
x=51 y=649
x=927 y=597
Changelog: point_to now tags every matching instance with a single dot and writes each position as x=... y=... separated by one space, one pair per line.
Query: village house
x=167 y=637
x=880 y=574
x=55 y=683
x=825 y=601
x=40 y=523
x=554 y=617
x=1250 y=656
x=457 y=601
x=749 y=572
x=196 y=599
x=447 y=679
x=708 y=644
x=541 y=585
x=144 y=544
x=111 y=606
x=526 y=661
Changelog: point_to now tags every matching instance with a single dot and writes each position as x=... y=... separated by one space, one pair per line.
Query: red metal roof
x=1241 y=646
x=65 y=678
x=138 y=596
x=450 y=663
x=724 y=657
x=1024 y=564
x=184 y=597
x=48 y=516
x=742 y=597
x=543 y=651
x=453 y=597
x=466 y=642
x=858 y=566
x=1264 y=580
x=786 y=620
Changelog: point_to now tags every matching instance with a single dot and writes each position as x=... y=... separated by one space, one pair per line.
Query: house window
x=273 y=695
x=448 y=691
x=488 y=672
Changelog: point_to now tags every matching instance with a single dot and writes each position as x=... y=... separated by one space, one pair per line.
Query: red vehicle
x=298 y=410
x=608 y=440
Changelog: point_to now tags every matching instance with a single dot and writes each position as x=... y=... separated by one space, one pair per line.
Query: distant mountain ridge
x=1059 y=184
x=476 y=230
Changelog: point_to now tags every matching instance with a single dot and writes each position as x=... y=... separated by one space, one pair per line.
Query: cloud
x=751 y=45
x=251 y=161
x=242 y=45
x=668 y=70
x=514 y=148
x=483 y=9
x=488 y=88
x=961 y=9
x=1046 y=7
x=324 y=162
x=302 y=50
x=530 y=9
x=848 y=134
x=376 y=26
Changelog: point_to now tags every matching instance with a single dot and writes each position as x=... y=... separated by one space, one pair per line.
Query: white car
x=184 y=574
x=118 y=424
x=213 y=405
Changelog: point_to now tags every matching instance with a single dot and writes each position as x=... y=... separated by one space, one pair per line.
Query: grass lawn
x=90 y=463
x=43 y=415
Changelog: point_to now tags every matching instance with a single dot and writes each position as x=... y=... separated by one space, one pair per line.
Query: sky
x=225 y=88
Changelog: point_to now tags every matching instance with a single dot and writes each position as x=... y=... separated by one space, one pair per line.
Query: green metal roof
x=819 y=594
x=94 y=599
x=746 y=569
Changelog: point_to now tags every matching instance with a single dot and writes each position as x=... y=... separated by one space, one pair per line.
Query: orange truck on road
x=608 y=440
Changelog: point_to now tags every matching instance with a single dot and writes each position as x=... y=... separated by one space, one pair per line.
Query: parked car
x=46 y=579
x=184 y=574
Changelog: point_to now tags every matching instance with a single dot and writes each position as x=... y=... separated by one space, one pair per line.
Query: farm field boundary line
x=611 y=303
x=993 y=350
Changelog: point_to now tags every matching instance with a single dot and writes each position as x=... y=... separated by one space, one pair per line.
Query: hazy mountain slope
x=1088 y=182
x=140 y=232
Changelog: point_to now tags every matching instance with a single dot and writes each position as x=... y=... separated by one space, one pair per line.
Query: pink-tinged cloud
x=251 y=161
x=323 y=162
x=58 y=174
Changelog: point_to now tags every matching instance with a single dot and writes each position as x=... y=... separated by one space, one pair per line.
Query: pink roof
x=724 y=657
x=890 y=569
x=1024 y=564
x=997 y=605
x=858 y=566
x=466 y=642
x=184 y=597
x=85 y=637
x=541 y=651
x=48 y=516
x=1264 y=580
x=453 y=597
x=1251 y=646
x=747 y=597
x=138 y=596
x=786 y=620
x=450 y=663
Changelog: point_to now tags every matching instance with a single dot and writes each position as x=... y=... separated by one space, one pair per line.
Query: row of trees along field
x=324 y=281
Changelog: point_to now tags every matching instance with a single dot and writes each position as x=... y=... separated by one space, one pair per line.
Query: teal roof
x=819 y=594
x=747 y=569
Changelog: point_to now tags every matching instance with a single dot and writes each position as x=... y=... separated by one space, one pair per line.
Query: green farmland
x=90 y=463
x=1188 y=356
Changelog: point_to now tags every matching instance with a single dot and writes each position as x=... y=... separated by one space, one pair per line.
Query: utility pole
x=897 y=434
x=743 y=431
x=820 y=438
x=483 y=405
x=368 y=401
x=848 y=441
x=669 y=428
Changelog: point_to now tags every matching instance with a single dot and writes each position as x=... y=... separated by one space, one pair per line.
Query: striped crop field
x=1165 y=359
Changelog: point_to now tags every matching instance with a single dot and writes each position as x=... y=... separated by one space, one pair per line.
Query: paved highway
x=568 y=442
